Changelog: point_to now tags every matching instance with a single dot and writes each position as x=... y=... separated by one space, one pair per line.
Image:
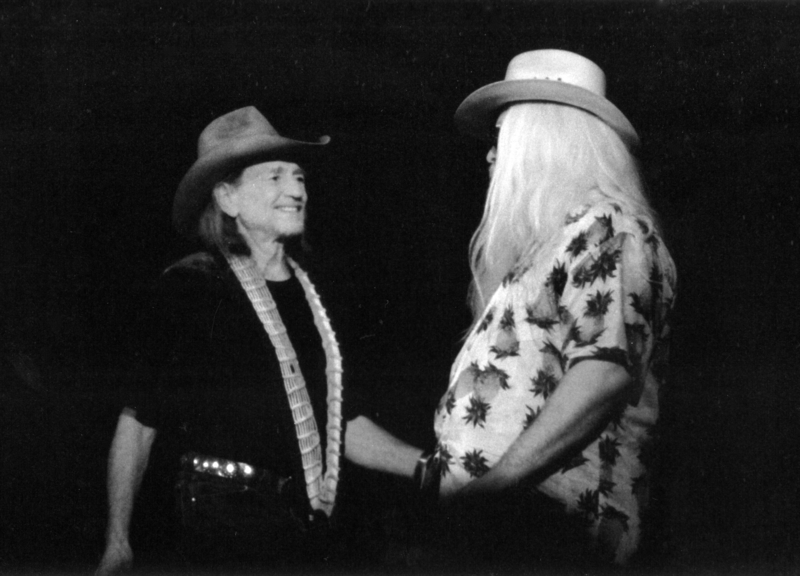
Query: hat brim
x=478 y=112
x=195 y=188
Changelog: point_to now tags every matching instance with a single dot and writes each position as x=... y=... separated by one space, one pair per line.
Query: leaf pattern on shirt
x=603 y=230
x=530 y=416
x=542 y=311
x=597 y=304
x=487 y=320
x=576 y=215
x=656 y=280
x=476 y=411
x=606 y=487
x=493 y=376
x=544 y=323
x=578 y=245
x=602 y=268
x=589 y=503
x=609 y=450
x=506 y=343
x=544 y=383
x=509 y=347
x=605 y=295
x=653 y=241
x=507 y=319
x=442 y=459
x=574 y=462
x=641 y=306
x=558 y=278
x=449 y=402
x=574 y=335
x=615 y=355
x=475 y=463
x=552 y=350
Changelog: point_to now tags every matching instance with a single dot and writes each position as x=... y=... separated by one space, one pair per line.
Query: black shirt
x=208 y=378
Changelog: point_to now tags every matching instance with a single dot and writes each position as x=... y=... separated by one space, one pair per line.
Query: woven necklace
x=320 y=484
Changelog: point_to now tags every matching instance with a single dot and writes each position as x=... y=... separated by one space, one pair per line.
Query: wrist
x=496 y=480
x=116 y=537
x=419 y=468
x=425 y=473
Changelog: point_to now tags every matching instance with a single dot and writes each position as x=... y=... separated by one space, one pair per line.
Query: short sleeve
x=612 y=289
x=360 y=360
x=166 y=318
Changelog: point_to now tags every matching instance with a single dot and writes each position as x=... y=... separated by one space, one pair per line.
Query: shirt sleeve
x=360 y=374
x=359 y=358
x=161 y=323
x=608 y=303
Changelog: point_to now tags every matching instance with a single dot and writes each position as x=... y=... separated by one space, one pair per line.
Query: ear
x=224 y=197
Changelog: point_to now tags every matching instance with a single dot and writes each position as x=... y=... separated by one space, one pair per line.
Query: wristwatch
x=426 y=473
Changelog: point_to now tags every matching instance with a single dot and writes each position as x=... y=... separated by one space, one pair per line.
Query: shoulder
x=197 y=263
x=607 y=224
x=194 y=274
x=605 y=219
x=200 y=265
x=607 y=235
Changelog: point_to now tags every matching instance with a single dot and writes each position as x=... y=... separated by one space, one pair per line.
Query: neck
x=269 y=257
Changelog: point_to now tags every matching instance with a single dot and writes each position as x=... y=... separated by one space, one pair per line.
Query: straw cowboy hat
x=234 y=141
x=544 y=75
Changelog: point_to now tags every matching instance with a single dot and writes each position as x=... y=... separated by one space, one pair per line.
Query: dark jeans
x=517 y=531
x=225 y=524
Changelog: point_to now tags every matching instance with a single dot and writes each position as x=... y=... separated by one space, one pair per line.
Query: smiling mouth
x=291 y=209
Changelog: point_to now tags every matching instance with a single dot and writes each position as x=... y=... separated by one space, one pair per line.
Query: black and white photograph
x=400 y=287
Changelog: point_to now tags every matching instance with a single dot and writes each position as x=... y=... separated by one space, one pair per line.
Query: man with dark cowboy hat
x=240 y=377
x=546 y=429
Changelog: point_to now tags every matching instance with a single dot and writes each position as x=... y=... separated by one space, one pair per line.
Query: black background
x=101 y=104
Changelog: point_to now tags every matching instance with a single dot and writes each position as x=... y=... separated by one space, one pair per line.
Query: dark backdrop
x=101 y=104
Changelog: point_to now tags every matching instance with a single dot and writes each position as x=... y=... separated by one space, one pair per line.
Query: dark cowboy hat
x=544 y=75
x=231 y=142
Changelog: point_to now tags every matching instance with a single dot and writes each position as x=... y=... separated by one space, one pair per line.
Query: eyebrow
x=278 y=170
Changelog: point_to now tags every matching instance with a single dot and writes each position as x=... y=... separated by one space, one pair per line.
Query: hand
x=117 y=559
x=467 y=497
x=494 y=482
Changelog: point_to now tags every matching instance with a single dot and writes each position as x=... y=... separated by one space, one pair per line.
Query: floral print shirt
x=605 y=295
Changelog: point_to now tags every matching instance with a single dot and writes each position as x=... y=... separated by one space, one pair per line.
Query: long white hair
x=551 y=159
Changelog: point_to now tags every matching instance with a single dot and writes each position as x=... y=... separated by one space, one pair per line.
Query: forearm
x=127 y=462
x=580 y=405
x=369 y=445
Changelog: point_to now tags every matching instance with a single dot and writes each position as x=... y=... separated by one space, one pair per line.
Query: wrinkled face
x=269 y=199
x=491 y=157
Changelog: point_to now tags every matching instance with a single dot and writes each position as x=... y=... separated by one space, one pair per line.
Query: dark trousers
x=222 y=527
x=515 y=532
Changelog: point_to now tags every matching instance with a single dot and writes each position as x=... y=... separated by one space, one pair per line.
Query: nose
x=491 y=157
x=296 y=190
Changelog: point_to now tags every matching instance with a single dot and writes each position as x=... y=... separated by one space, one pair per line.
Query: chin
x=286 y=236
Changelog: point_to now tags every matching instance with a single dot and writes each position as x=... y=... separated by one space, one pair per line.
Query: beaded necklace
x=320 y=485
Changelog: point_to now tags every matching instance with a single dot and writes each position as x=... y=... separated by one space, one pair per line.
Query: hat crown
x=558 y=66
x=237 y=125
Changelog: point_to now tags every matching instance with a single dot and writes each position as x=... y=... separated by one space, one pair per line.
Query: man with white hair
x=549 y=415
